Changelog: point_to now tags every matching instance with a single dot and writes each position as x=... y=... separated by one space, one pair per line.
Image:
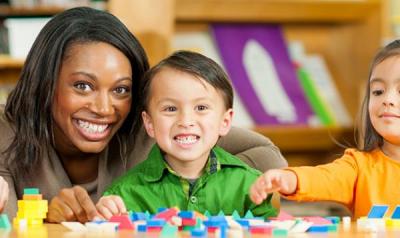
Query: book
x=22 y=32
x=321 y=80
x=257 y=60
x=202 y=42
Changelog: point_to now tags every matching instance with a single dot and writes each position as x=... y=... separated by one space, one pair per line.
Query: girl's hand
x=110 y=205
x=3 y=193
x=71 y=204
x=274 y=180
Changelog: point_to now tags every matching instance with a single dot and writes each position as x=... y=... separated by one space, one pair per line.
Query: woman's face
x=92 y=97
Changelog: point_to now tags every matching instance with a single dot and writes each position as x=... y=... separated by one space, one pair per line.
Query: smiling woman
x=72 y=123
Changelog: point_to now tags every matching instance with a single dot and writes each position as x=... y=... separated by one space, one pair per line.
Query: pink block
x=283 y=216
x=317 y=220
x=124 y=222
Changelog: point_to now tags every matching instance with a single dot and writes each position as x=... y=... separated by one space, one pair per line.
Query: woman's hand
x=3 y=193
x=274 y=180
x=72 y=204
x=110 y=205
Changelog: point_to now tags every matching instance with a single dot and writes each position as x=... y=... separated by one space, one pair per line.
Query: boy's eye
x=82 y=86
x=170 y=109
x=201 y=107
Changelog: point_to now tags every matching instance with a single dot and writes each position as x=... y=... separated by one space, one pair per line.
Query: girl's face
x=92 y=97
x=384 y=103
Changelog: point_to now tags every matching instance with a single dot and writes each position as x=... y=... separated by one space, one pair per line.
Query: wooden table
x=58 y=231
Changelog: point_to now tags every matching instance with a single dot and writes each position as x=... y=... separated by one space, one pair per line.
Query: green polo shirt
x=224 y=186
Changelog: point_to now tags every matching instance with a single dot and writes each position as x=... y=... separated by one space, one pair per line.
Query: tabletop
x=58 y=231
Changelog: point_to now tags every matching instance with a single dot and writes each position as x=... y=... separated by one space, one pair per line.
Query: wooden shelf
x=7 y=11
x=6 y=62
x=303 y=138
x=275 y=10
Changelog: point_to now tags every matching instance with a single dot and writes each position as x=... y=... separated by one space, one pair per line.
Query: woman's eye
x=83 y=86
x=122 y=90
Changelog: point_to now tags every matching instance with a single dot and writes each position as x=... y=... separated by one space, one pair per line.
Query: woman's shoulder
x=6 y=128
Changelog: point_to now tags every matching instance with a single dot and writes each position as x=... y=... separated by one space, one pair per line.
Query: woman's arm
x=254 y=149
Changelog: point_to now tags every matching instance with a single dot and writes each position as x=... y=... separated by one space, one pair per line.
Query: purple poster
x=257 y=61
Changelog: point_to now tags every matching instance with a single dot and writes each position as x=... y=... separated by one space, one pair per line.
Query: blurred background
x=298 y=66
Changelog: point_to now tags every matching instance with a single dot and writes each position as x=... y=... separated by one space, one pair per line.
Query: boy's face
x=186 y=115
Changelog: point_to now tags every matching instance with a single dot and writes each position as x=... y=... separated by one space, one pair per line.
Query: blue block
x=396 y=213
x=156 y=222
x=377 y=211
x=333 y=219
x=199 y=233
x=161 y=209
x=319 y=228
x=142 y=228
x=186 y=214
x=243 y=222
x=138 y=216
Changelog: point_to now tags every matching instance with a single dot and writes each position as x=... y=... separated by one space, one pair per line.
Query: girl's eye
x=202 y=108
x=376 y=92
x=122 y=90
x=83 y=86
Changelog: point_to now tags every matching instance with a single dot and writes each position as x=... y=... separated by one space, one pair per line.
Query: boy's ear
x=226 y=122
x=148 y=124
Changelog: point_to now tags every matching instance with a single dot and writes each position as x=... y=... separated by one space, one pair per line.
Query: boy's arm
x=254 y=149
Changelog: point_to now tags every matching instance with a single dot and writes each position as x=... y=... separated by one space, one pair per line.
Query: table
x=58 y=231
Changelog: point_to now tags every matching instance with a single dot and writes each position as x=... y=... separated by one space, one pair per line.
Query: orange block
x=32 y=197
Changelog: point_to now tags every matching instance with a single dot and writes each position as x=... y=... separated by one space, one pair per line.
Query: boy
x=187 y=107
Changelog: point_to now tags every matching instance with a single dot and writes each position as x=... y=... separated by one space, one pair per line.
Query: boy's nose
x=186 y=119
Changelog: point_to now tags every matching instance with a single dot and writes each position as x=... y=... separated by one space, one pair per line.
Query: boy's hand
x=274 y=180
x=3 y=193
x=71 y=204
x=110 y=205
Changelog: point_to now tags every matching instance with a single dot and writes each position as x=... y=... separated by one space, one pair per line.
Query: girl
x=364 y=176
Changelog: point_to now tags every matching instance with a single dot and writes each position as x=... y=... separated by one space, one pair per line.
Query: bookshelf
x=347 y=33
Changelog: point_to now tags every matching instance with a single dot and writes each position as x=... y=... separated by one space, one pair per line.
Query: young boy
x=187 y=107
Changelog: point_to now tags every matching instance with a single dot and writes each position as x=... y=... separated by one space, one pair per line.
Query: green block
x=4 y=222
x=31 y=191
x=207 y=213
x=279 y=232
x=249 y=215
x=332 y=228
x=169 y=231
x=235 y=215
x=188 y=228
x=221 y=213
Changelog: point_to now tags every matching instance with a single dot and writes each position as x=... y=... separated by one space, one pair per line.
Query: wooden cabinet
x=347 y=33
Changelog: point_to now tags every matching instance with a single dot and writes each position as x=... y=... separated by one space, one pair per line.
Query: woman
x=71 y=125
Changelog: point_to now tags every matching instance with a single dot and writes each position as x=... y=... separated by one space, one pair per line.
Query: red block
x=261 y=230
x=167 y=214
x=154 y=228
x=124 y=222
x=188 y=222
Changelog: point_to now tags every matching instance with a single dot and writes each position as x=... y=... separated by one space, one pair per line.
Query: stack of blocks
x=31 y=210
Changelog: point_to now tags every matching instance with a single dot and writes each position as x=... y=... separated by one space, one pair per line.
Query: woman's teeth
x=91 y=127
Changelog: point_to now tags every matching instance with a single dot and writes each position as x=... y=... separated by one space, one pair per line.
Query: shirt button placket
x=193 y=199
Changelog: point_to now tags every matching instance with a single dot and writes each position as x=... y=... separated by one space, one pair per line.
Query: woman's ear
x=226 y=122
x=148 y=124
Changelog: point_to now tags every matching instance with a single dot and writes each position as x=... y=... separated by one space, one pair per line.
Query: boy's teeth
x=92 y=128
x=186 y=139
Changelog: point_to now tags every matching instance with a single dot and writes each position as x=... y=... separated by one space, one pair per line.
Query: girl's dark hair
x=365 y=132
x=196 y=64
x=28 y=106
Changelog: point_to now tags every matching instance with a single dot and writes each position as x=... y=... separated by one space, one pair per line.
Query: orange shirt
x=357 y=179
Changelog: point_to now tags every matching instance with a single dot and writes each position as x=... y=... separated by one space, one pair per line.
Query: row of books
x=275 y=81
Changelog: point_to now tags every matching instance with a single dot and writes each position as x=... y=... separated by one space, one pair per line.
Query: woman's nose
x=103 y=104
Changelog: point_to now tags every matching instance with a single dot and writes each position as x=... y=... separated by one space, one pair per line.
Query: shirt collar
x=157 y=166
